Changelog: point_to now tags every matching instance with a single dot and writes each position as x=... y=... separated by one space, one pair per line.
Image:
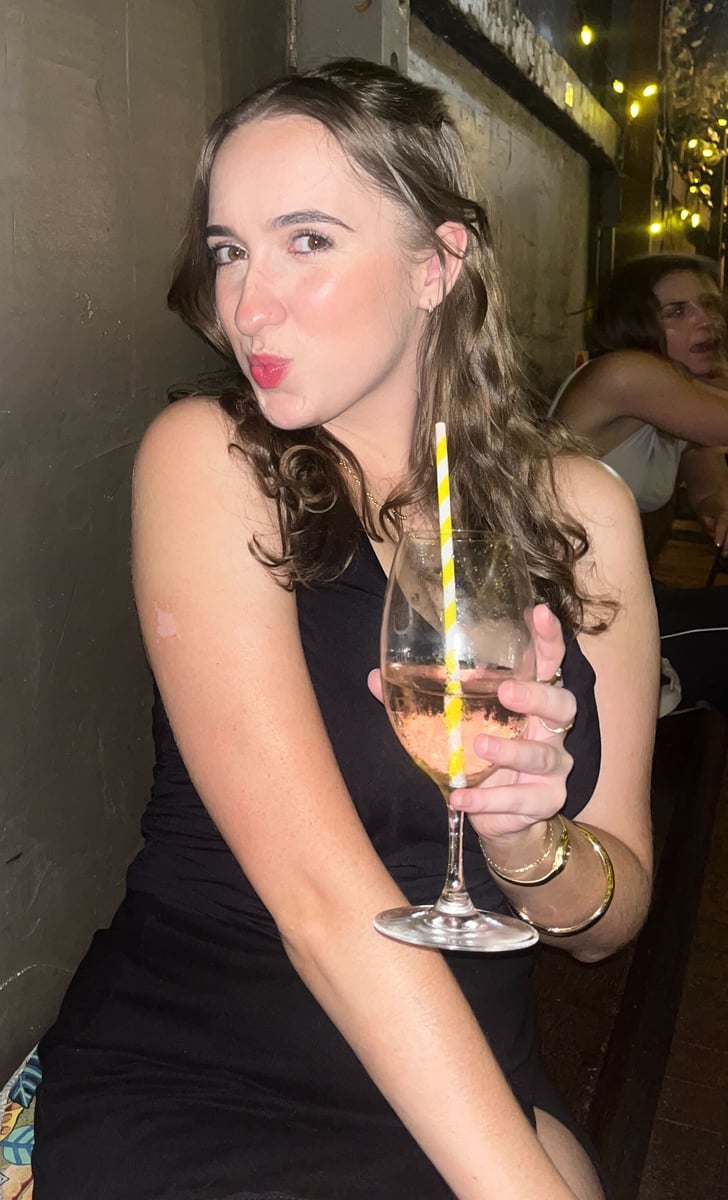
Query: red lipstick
x=267 y=370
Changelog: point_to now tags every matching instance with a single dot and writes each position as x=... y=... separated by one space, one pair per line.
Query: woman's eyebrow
x=304 y=216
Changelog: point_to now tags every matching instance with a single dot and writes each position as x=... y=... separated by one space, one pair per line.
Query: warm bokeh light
x=693 y=187
x=684 y=214
x=695 y=220
x=708 y=152
x=634 y=109
x=586 y=35
x=723 y=121
x=650 y=90
x=692 y=143
x=618 y=86
x=655 y=228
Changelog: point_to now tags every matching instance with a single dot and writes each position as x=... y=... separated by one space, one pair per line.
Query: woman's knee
x=569 y=1157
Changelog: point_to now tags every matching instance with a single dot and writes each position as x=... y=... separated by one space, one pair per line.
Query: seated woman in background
x=652 y=400
x=242 y=1030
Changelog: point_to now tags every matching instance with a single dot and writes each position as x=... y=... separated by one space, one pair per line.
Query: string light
x=588 y=37
x=684 y=214
x=722 y=121
x=655 y=228
x=692 y=143
x=695 y=220
x=707 y=152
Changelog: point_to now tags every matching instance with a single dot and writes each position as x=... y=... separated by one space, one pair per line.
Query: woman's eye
x=223 y=255
x=309 y=243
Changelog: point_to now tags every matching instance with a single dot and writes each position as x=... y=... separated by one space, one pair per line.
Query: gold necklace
x=343 y=463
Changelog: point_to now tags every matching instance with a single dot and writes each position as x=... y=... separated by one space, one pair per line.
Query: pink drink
x=414 y=697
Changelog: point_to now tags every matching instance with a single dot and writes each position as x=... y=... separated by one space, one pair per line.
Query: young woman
x=653 y=402
x=242 y=1030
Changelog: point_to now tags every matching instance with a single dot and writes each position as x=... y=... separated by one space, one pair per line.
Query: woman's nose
x=258 y=304
x=703 y=318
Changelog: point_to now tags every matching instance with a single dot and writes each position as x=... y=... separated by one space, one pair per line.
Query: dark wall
x=557 y=21
x=103 y=109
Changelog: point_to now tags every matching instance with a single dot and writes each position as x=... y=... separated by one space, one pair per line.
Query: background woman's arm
x=704 y=472
x=631 y=384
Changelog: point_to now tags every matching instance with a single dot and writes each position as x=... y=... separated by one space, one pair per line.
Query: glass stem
x=454 y=900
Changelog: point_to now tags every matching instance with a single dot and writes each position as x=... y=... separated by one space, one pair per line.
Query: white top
x=648 y=460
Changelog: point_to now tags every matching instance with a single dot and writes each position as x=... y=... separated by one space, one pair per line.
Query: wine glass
x=492 y=641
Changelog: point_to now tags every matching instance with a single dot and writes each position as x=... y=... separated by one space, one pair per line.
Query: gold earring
x=429 y=308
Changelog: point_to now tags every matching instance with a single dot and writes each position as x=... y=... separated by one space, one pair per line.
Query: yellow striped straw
x=453 y=690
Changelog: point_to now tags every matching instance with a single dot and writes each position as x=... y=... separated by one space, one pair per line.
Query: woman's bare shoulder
x=617 y=371
x=189 y=457
x=592 y=491
x=192 y=425
x=594 y=495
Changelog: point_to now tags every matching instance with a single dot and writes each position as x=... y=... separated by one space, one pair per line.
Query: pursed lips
x=268 y=370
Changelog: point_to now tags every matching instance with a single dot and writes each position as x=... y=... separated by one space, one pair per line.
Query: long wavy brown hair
x=398 y=135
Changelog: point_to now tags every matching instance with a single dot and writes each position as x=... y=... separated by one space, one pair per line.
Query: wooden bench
x=607 y=1027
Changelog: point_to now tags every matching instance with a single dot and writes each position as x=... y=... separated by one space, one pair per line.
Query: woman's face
x=316 y=292
x=691 y=310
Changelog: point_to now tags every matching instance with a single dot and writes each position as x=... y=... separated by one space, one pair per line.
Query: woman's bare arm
x=625 y=659
x=704 y=472
x=634 y=385
x=222 y=638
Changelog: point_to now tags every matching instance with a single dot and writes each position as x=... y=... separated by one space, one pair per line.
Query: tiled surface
x=688 y=1154
x=684 y=1163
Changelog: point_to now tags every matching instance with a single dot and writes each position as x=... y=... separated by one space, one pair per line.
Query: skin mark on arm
x=165 y=624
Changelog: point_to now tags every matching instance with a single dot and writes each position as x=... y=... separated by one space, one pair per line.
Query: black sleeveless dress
x=188 y=1059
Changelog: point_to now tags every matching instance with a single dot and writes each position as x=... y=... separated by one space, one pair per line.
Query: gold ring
x=554 y=681
x=556 y=728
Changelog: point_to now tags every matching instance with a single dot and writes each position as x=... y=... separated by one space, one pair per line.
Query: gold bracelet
x=565 y=930
x=520 y=870
x=561 y=857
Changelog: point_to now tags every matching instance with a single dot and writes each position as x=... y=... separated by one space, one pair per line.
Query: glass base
x=481 y=931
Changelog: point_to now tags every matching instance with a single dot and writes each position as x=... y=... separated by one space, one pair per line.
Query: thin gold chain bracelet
x=529 y=866
x=560 y=859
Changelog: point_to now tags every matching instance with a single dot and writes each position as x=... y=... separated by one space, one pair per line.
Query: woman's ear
x=441 y=270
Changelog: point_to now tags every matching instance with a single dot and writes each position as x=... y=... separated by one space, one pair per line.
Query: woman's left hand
x=716 y=525
x=529 y=784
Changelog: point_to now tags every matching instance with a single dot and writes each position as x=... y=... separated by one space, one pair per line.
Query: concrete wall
x=537 y=190
x=103 y=105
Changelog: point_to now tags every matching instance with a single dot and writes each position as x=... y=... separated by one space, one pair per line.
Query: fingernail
x=459 y=799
